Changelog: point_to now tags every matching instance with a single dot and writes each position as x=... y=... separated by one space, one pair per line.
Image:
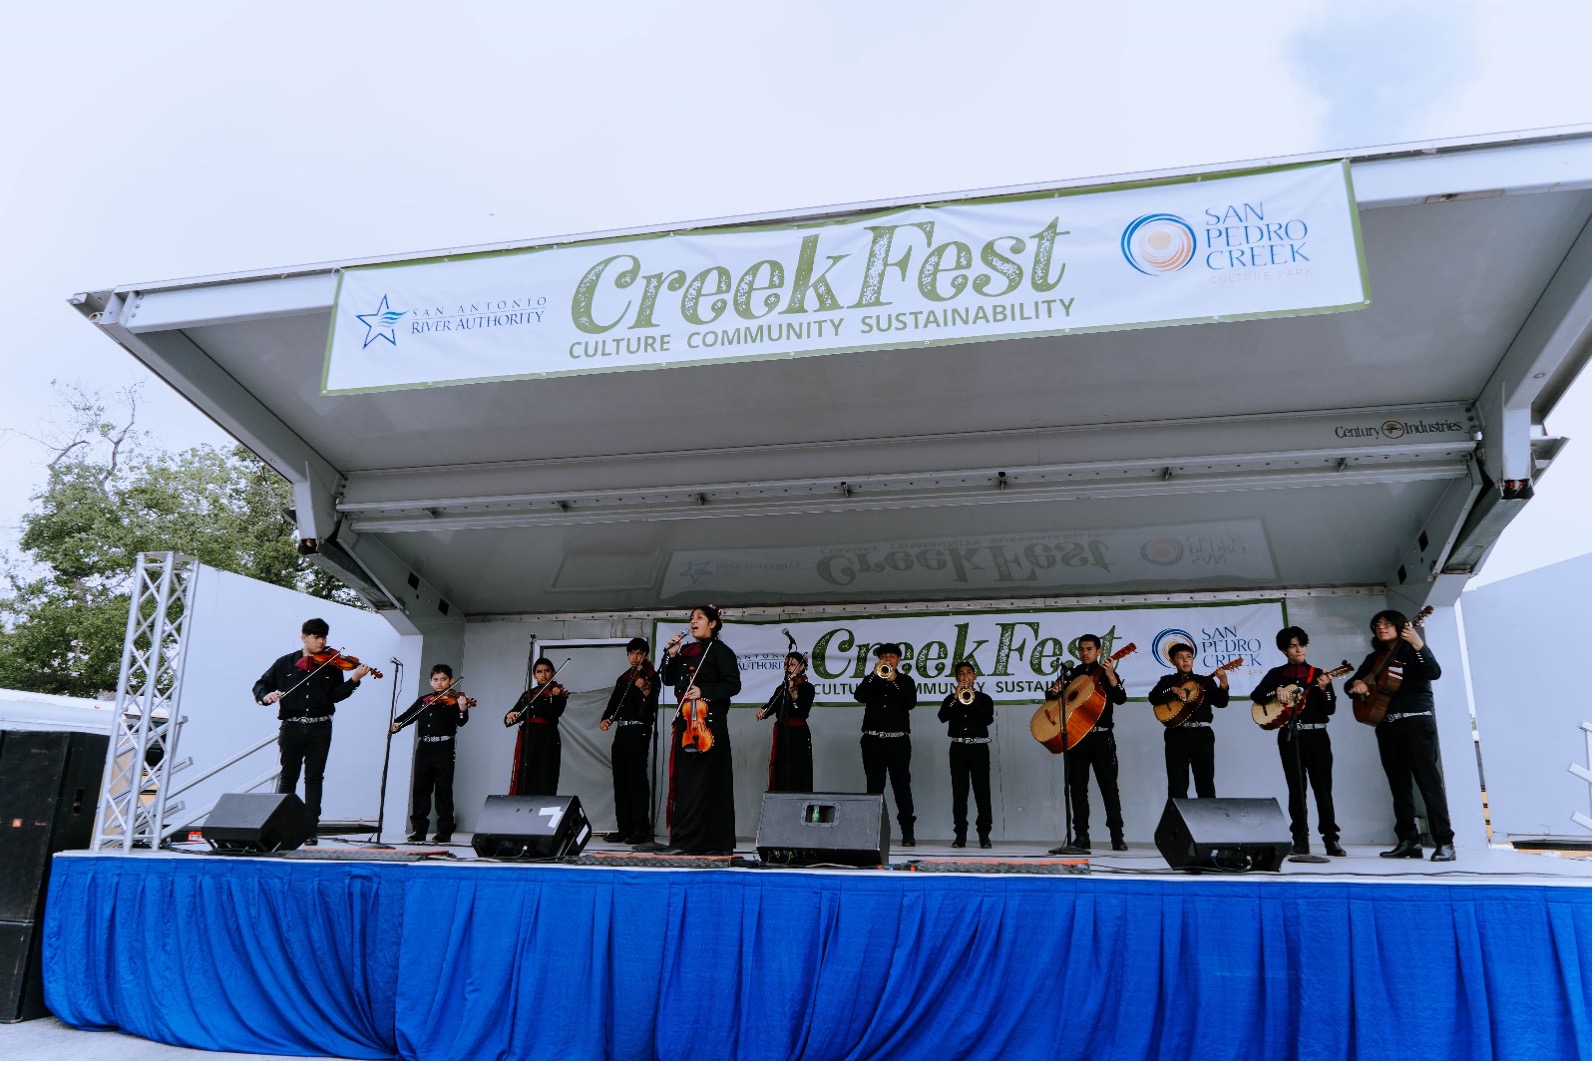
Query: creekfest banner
x=1017 y=653
x=1193 y=249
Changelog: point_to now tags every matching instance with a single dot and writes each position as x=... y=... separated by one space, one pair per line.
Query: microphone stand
x=1301 y=778
x=653 y=767
x=382 y=789
x=1068 y=846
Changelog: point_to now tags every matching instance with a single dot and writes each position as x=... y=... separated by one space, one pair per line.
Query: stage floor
x=1499 y=864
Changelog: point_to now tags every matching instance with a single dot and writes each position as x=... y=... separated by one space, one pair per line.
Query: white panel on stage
x=239 y=626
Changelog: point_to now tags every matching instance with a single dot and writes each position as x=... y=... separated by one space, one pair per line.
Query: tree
x=109 y=496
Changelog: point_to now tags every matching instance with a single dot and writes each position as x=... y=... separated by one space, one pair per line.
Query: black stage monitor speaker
x=49 y=795
x=1233 y=835
x=807 y=828
x=258 y=822
x=538 y=827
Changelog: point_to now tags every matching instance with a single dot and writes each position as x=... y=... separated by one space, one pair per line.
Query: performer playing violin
x=1188 y=748
x=1409 y=744
x=704 y=818
x=440 y=714
x=1304 y=749
x=969 y=715
x=304 y=691
x=537 y=712
x=632 y=710
x=791 y=745
x=1096 y=751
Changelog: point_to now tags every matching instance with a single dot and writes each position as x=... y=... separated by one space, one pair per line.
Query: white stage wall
x=239 y=626
x=1026 y=780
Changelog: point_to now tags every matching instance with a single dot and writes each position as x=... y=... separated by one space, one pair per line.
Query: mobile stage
x=982 y=452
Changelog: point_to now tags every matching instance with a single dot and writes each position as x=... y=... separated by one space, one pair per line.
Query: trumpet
x=965 y=696
x=885 y=671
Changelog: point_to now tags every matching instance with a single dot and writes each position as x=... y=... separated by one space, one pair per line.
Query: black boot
x=1407 y=849
x=1444 y=853
x=958 y=841
x=1332 y=847
x=1299 y=848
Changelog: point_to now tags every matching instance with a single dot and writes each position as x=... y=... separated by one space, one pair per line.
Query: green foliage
x=64 y=611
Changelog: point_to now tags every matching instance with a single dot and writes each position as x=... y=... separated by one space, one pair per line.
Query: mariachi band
x=1391 y=690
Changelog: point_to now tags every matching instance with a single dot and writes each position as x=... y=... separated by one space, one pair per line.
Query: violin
x=696 y=735
x=447 y=697
x=334 y=657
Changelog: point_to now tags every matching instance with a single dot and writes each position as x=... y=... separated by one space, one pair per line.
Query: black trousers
x=539 y=770
x=304 y=744
x=1097 y=753
x=889 y=757
x=971 y=764
x=1188 y=752
x=628 y=763
x=1410 y=752
x=434 y=772
x=1317 y=763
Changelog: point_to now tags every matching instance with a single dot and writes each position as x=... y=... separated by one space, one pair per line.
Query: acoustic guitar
x=1383 y=681
x=1188 y=696
x=1079 y=707
x=1273 y=714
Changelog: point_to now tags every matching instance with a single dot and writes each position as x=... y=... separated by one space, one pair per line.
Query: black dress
x=791 y=744
x=536 y=768
x=704 y=821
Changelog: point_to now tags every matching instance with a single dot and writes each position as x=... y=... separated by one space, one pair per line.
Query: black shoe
x=985 y=840
x=443 y=838
x=1407 y=849
x=1444 y=853
x=908 y=840
x=616 y=837
x=1299 y=848
x=1333 y=848
x=639 y=838
x=311 y=842
x=1083 y=843
x=416 y=838
x=673 y=850
x=1120 y=845
x=958 y=841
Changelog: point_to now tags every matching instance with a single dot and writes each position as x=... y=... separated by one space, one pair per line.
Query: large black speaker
x=1236 y=835
x=544 y=827
x=49 y=795
x=258 y=822
x=806 y=828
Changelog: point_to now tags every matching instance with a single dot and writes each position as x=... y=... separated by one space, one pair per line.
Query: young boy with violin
x=304 y=691
x=1304 y=748
x=537 y=745
x=440 y=715
x=632 y=711
x=1188 y=747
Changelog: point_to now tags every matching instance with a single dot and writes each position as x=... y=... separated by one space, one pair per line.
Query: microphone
x=791 y=642
x=395 y=662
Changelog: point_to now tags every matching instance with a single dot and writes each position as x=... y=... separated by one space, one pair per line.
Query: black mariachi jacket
x=314 y=698
x=971 y=721
x=1320 y=701
x=886 y=703
x=1213 y=695
x=440 y=718
x=1116 y=693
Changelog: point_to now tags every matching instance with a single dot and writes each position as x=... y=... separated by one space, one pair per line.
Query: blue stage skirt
x=477 y=961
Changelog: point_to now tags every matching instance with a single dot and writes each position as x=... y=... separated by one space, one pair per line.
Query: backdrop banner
x=1017 y=653
x=1196 y=248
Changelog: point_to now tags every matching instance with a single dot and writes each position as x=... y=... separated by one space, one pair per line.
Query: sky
x=184 y=139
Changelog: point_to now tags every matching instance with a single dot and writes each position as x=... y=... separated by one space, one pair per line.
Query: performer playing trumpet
x=968 y=715
x=887 y=695
x=791 y=745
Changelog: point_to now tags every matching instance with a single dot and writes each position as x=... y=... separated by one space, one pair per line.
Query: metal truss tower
x=141 y=757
